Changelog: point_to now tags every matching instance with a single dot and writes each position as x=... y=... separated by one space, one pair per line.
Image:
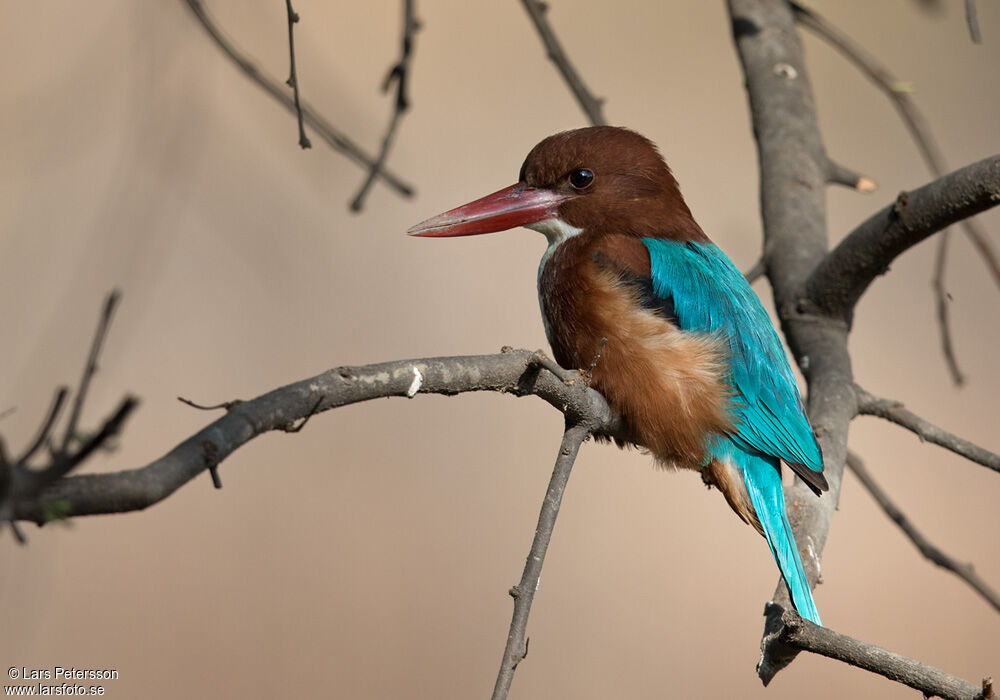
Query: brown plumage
x=665 y=383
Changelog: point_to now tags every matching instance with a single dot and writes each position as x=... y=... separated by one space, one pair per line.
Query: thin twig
x=972 y=19
x=398 y=74
x=591 y=106
x=943 y=300
x=964 y=571
x=758 y=270
x=292 y=428
x=524 y=592
x=293 y=79
x=225 y=404
x=788 y=629
x=46 y=427
x=895 y=412
x=842 y=175
x=333 y=137
x=89 y=370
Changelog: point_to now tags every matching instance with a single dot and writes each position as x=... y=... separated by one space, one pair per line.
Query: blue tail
x=763 y=483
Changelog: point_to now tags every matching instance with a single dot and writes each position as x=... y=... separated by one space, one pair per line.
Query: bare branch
x=894 y=411
x=32 y=482
x=333 y=137
x=841 y=175
x=758 y=270
x=293 y=78
x=46 y=427
x=89 y=370
x=787 y=629
x=398 y=74
x=510 y=372
x=943 y=300
x=899 y=93
x=524 y=592
x=842 y=277
x=19 y=482
x=591 y=106
x=964 y=571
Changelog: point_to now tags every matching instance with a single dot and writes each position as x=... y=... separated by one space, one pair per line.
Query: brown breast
x=665 y=382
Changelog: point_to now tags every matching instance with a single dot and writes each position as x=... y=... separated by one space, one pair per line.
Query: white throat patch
x=557 y=232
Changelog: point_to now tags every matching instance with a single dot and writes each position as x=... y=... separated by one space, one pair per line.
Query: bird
x=686 y=353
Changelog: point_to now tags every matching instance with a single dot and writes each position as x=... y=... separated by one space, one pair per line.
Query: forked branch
x=787 y=629
x=336 y=139
x=513 y=372
x=837 y=283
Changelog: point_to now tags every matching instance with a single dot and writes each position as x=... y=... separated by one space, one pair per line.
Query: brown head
x=601 y=179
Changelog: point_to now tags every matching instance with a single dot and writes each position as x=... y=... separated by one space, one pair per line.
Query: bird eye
x=581 y=178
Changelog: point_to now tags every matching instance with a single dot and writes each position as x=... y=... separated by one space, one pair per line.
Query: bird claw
x=540 y=359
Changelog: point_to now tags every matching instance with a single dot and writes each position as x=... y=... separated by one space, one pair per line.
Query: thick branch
x=793 y=174
x=334 y=138
x=591 y=106
x=894 y=411
x=512 y=372
x=844 y=275
x=524 y=592
x=788 y=629
x=964 y=571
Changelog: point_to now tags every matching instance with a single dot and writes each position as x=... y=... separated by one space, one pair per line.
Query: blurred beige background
x=370 y=555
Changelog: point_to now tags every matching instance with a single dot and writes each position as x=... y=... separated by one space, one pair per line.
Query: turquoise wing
x=711 y=296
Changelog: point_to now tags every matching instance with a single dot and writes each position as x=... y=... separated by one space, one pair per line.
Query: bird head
x=599 y=178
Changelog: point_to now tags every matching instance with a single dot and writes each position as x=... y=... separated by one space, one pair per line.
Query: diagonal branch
x=964 y=571
x=591 y=106
x=900 y=95
x=513 y=372
x=333 y=137
x=972 y=19
x=895 y=412
x=398 y=74
x=524 y=592
x=842 y=277
x=787 y=629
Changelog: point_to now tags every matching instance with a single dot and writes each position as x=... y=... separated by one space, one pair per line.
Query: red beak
x=517 y=205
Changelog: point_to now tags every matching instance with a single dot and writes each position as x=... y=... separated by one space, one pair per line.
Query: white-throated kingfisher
x=688 y=355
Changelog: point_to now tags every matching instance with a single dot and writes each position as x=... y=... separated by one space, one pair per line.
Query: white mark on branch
x=814 y=556
x=786 y=70
x=418 y=380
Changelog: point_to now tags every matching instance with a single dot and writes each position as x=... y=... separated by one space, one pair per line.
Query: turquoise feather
x=711 y=296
